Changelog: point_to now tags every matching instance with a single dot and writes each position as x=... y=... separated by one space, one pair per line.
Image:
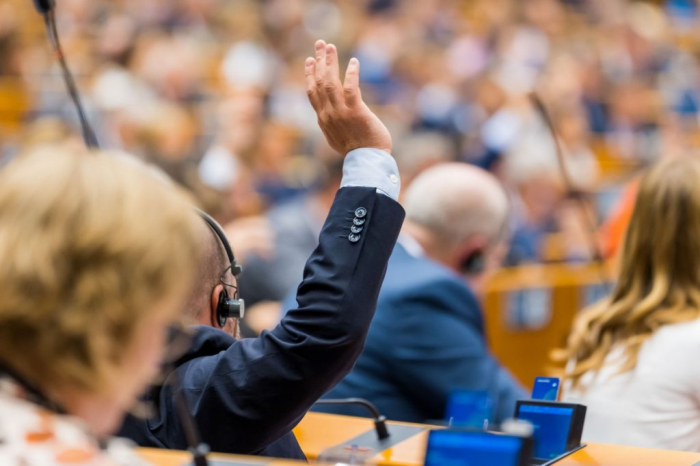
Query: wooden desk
x=181 y=458
x=616 y=455
x=318 y=432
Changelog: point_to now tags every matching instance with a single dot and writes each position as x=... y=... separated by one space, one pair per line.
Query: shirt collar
x=411 y=246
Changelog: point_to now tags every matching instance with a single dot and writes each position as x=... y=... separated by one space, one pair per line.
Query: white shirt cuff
x=374 y=168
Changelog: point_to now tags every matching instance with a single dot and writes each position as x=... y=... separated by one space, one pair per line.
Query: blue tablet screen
x=467 y=408
x=464 y=448
x=552 y=424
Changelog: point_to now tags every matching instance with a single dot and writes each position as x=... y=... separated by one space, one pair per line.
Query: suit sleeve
x=256 y=391
x=440 y=347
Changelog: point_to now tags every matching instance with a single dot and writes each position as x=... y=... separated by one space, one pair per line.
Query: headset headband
x=216 y=228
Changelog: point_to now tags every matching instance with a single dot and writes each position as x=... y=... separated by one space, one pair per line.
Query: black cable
x=52 y=32
x=573 y=193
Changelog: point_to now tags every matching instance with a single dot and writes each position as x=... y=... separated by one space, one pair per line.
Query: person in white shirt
x=633 y=358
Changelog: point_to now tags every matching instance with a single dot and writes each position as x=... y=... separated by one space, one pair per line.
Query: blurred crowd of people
x=212 y=91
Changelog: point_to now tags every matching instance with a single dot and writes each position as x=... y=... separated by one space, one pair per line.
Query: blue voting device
x=551 y=428
x=469 y=408
x=473 y=448
x=546 y=388
x=558 y=427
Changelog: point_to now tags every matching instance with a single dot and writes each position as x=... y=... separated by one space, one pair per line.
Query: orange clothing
x=615 y=227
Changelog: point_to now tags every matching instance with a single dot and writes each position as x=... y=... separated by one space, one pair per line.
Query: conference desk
x=318 y=432
x=181 y=458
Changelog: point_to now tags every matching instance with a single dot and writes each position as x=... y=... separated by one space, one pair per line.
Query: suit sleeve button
x=361 y=212
x=359 y=222
x=353 y=238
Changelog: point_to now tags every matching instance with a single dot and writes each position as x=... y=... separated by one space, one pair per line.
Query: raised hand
x=346 y=121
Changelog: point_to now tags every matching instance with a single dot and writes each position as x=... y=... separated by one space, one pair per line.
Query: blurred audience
x=427 y=338
x=421 y=150
x=632 y=357
x=207 y=90
x=295 y=226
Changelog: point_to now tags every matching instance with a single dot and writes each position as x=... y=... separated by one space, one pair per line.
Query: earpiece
x=229 y=307
x=474 y=263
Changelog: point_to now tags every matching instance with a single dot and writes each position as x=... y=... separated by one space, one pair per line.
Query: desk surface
x=181 y=458
x=317 y=432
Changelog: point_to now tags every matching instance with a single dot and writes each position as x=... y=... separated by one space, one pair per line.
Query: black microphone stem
x=571 y=191
x=197 y=448
x=377 y=417
x=52 y=32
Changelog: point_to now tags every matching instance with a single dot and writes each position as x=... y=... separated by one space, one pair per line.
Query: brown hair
x=89 y=243
x=659 y=279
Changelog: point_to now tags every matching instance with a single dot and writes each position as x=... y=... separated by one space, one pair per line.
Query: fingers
x=311 y=88
x=320 y=50
x=332 y=76
x=351 y=86
x=323 y=77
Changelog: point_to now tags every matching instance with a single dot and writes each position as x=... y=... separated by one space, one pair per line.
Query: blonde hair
x=659 y=279
x=89 y=244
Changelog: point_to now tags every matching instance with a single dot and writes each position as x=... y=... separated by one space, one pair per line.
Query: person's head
x=96 y=256
x=213 y=279
x=458 y=213
x=659 y=278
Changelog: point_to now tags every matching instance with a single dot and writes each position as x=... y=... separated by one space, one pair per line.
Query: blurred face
x=141 y=363
x=142 y=360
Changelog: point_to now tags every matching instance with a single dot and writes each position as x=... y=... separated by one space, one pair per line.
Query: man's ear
x=214 y=304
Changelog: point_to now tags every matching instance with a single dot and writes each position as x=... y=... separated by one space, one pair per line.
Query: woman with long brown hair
x=633 y=359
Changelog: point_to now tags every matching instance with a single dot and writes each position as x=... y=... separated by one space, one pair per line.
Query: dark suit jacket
x=426 y=340
x=248 y=395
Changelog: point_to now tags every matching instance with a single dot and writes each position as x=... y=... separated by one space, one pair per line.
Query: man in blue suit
x=427 y=338
x=247 y=395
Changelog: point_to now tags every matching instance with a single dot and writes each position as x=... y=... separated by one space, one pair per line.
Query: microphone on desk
x=379 y=419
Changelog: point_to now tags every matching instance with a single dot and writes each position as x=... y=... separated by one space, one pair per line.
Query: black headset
x=228 y=306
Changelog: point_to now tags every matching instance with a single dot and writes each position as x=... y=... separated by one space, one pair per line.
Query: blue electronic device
x=546 y=388
x=454 y=447
x=469 y=409
x=558 y=428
